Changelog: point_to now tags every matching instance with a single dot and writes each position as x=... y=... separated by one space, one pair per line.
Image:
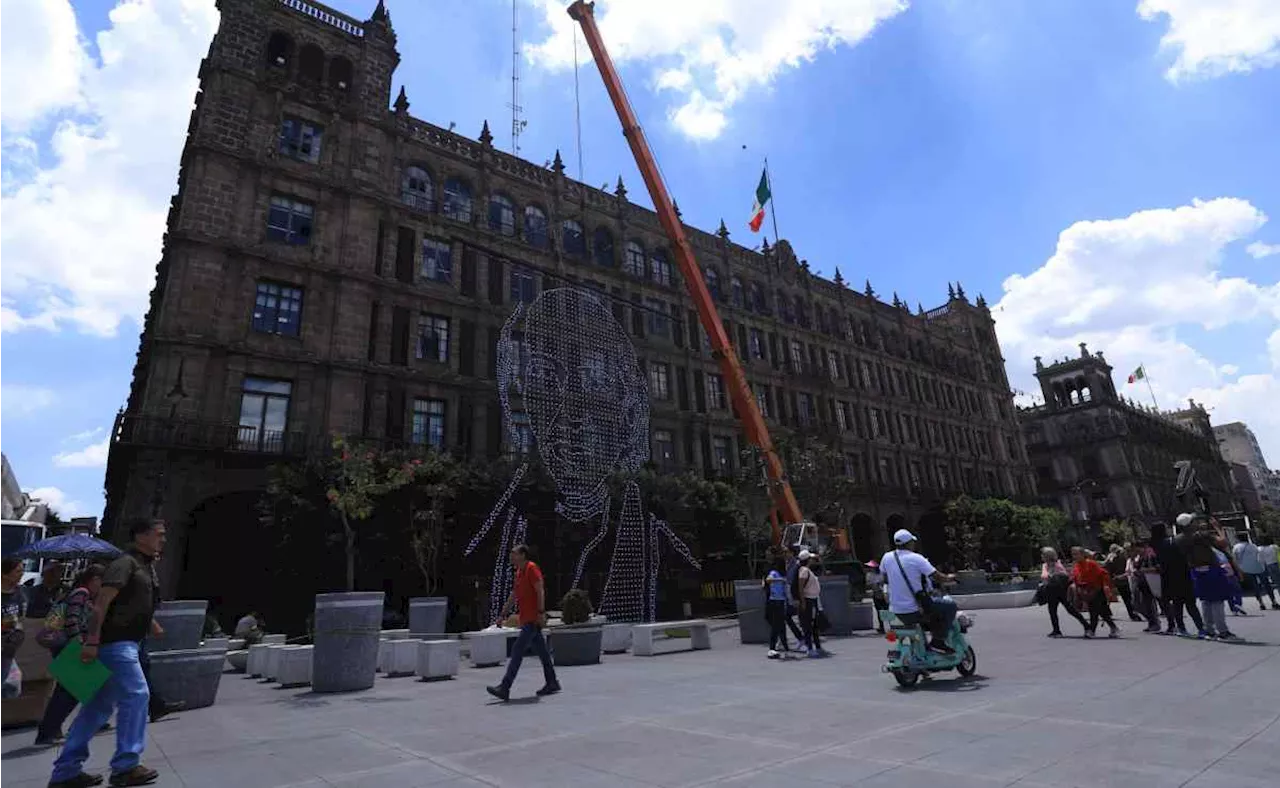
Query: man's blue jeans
x=127 y=688
x=530 y=636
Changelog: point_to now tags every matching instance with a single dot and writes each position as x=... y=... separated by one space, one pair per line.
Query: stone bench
x=401 y=657
x=271 y=660
x=489 y=648
x=642 y=635
x=293 y=668
x=437 y=659
x=616 y=638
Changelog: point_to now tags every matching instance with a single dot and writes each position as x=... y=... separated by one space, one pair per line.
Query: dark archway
x=932 y=531
x=311 y=64
x=340 y=72
x=863 y=528
x=892 y=523
x=279 y=50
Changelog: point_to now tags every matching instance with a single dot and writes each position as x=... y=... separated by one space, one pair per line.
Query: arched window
x=603 y=247
x=802 y=313
x=713 y=281
x=311 y=64
x=634 y=261
x=574 y=240
x=457 y=200
x=279 y=50
x=417 y=189
x=785 y=310
x=502 y=214
x=736 y=292
x=660 y=268
x=340 y=73
x=535 y=227
x=757 y=301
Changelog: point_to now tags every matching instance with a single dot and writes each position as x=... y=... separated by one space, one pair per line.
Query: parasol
x=69 y=546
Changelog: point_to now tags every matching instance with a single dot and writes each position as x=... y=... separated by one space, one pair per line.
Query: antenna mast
x=517 y=124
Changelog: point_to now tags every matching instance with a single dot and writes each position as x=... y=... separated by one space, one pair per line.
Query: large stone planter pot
x=188 y=675
x=616 y=638
x=183 y=623
x=748 y=597
x=347 y=627
x=971 y=579
x=577 y=644
x=428 y=616
x=835 y=603
x=863 y=616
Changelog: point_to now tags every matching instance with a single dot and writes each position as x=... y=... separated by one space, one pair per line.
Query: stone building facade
x=1098 y=456
x=1240 y=446
x=335 y=266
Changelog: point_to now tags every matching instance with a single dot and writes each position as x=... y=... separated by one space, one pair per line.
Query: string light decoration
x=574 y=373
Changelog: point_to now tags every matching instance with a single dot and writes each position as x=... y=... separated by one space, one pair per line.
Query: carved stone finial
x=868 y=291
x=981 y=302
x=1084 y=350
x=379 y=12
x=840 y=278
x=486 y=139
x=557 y=165
x=896 y=301
x=960 y=292
x=1039 y=364
x=951 y=291
x=723 y=232
x=764 y=247
x=919 y=308
x=675 y=206
x=402 y=102
x=804 y=264
x=620 y=190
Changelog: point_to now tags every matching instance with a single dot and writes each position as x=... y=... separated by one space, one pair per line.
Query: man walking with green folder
x=121 y=618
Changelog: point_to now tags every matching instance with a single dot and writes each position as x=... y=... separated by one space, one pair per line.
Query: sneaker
x=773 y=654
x=500 y=692
x=1054 y=634
x=1205 y=634
x=549 y=689
x=81 y=780
x=1229 y=637
x=48 y=741
x=138 y=775
x=1115 y=632
x=814 y=653
x=1236 y=611
x=1154 y=629
x=941 y=648
x=1135 y=617
x=164 y=711
x=1088 y=633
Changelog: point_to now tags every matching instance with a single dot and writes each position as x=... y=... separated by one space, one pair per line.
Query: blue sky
x=1102 y=171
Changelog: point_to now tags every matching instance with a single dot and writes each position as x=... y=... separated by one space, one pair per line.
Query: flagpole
x=773 y=198
x=1147 y=378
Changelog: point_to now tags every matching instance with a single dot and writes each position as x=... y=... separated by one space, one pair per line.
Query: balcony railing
x=165 y=432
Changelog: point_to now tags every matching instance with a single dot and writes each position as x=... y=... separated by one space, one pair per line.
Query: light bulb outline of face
x=581 y=386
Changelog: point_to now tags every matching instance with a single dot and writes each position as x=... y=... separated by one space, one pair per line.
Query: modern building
x=333 y=265
x=1238 y=444
x=1099 y=456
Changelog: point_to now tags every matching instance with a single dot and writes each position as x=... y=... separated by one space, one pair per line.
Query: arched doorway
x=932 y=531
x=863 y=527
x=891 y=524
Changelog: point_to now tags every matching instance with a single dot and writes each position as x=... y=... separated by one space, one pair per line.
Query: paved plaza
x=1135 y=712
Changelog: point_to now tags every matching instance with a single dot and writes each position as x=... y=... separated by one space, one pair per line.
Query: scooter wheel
x=906 y=678
x=968 y=663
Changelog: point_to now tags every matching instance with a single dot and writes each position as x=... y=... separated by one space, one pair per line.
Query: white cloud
x=1215 y=37
x=1127 y=286
x=712 y=52
x=20 y=399
x=81 y=235
x=41 y=60
x=82 y=437
x=56 y=500
x=92 y=456
x=1259 y=250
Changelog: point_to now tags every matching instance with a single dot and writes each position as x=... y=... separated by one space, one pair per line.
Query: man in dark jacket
x=1175 y=581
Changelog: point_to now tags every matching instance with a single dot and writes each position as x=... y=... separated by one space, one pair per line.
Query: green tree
x=978 y=527
x=965 y=529
x=1115 y=531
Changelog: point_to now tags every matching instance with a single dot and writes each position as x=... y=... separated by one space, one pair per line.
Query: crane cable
x=577 y=104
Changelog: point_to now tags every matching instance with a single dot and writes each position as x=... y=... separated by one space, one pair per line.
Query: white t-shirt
x=810 y=587
x=1247 y=558
x=1267 y=554
x=918 y=569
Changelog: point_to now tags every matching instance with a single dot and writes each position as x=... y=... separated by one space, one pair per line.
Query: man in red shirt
x=530 y=598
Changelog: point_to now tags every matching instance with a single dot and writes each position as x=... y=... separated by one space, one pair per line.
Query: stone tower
x=1076 y=381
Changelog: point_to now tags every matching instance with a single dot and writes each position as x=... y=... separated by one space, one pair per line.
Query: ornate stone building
x=1099 y=456
x=335 y=266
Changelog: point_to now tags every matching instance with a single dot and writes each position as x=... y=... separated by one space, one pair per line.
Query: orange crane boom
x=744 y=402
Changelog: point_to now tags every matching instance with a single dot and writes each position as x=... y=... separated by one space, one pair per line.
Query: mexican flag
x=1137 y=374
x=762 y=197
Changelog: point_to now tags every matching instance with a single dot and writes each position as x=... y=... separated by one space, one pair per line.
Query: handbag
x=53 y=634
x=821 y=622
x=924 y=600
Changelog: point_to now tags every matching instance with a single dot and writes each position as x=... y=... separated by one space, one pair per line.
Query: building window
x=457 y=200
x=633 y=263
x=264 y=414
x=300 y=140
x=535 y=227
x=715 y=392
x=502 y=215
x=917 y=474
x=884 y=471
x=833 y=364
x=656 y=311
x=756 y=342
x=842 y=416
x=428 y=422
x=736 y=292
x=277 y=309
x=289 y=220
x=797 y=355
x=603 y=247
x=524 y=285
x=721 y=455
x=416 y=189
x=660 y=268
x=521 y=437
x=660 y=381
x=713 y=281
x=762 y=399
x=664 y=448
x=756 y=302
x=808 y=413
x=433 y=338
x=575 y=242
x=878 y=426
x=437 y=260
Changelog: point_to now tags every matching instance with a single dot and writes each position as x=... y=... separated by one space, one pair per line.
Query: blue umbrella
x=69 y=546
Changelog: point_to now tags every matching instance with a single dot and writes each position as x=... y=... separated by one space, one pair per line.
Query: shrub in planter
x=575 y=607
x=576 y=642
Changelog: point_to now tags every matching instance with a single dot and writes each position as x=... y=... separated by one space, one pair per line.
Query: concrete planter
x=294 y=668
x=254 y=664
x=272 y=640
x=438 y=659
x=222 y=643
x=835 y=603
x=402 y=657
x=183 y=623
x=393 y=634
x=576 y=644
x=188 y=675
x=748 y=597
x=616 y=638
x=428 y=616
x=347 y=627
x=271 y=661
x=238 y=659
x=863 y=616
x=488 y=648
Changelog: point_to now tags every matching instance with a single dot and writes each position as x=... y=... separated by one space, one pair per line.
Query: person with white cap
x=809 y=595
x=909 y=575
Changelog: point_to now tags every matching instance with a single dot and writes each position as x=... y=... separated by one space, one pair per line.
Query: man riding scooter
x=910 y=579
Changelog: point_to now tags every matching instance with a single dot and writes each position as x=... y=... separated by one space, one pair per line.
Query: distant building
x=1099 y=456
x=17 y=504
x=1238 y=444
x=1246 y=491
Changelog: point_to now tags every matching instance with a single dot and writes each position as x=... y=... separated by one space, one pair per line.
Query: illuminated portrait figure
x=571 y=387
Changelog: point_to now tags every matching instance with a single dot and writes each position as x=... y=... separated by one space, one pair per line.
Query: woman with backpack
x=66 y=621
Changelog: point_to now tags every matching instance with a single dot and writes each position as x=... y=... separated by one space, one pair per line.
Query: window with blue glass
x=535 y=227
x=457 y=200
x=736 y=292
x=575 y=241
x=633 y=263
x=524 y=285
x=437 y=260
x=417 y=190
x=713 y=281
x=520 y=439
x=300 y=139
x=603 y=247
x=656 y=312
x=428 y=422
x=264 y=414
x=277 y=309
x=289 y=220
x=433 y=338
x=502 y=215
x=660 y=268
